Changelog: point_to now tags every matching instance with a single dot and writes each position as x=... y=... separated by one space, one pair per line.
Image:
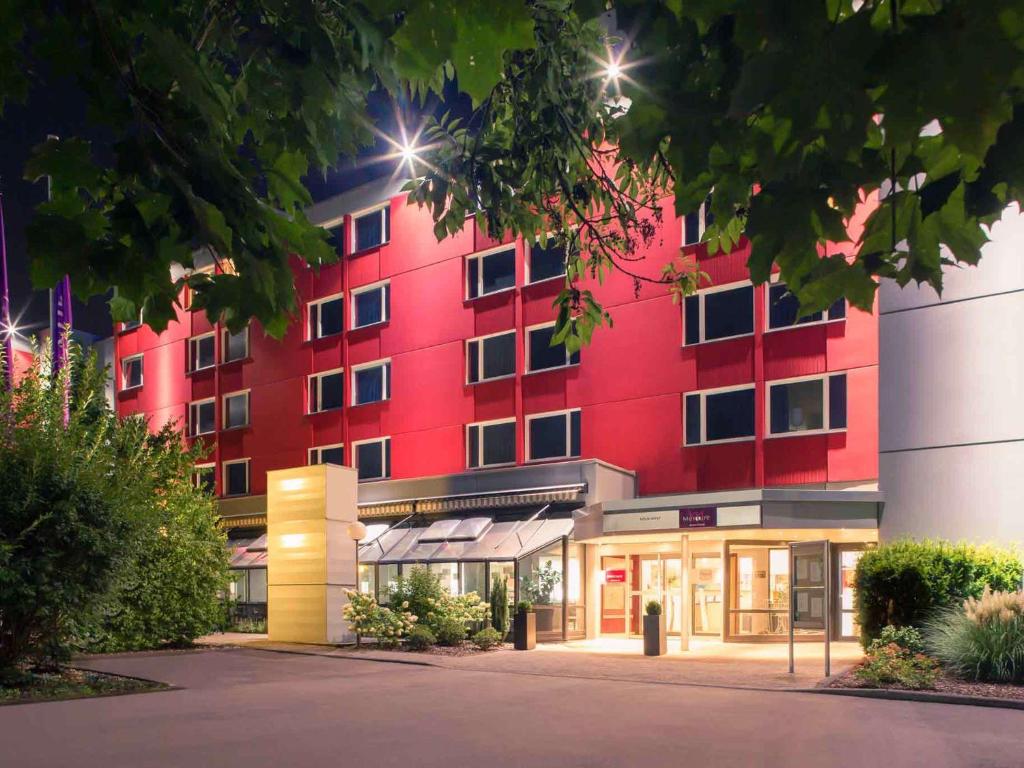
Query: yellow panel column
x=311 y=560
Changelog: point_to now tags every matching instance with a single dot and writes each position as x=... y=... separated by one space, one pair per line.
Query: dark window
x=131 y=325
x=336 y=237
x=473 y=278
x=838 y=310
x=692 y=309
x=709 y=217
x=498 y=271
x=692 y=419
x=837 y=401
x=499 y=356
x=236 y=345
x=202 y=418
x=373 y=460
x=201 y=353
x=543 y=355
x=236 y=478
x=474 y=446
x=372 y=229
x=729 y=415
x=205 y=479
x=691 y=228
x=371 y=306
x=796 y=407
x=729 y=313
x=784 y=309
x=372 y=384
x=236 y=411
x=550 y=439
x=326 y=392
x=325 y=318
x=546 y=261
x=335 y=455
x=131 y=372
x=493 y=444
x=575 y=433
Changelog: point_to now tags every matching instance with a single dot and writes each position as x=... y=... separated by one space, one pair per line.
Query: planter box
x=524 y=631
x=655 y=636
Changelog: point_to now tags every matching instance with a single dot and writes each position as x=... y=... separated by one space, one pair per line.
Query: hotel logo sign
x=698 y=517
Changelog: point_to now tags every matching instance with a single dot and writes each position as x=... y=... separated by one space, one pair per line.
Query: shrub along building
x=673 y=458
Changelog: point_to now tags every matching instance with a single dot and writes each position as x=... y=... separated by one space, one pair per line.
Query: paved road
x=254 y=709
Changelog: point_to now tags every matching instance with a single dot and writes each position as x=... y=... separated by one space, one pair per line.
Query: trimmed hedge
x=904 y=582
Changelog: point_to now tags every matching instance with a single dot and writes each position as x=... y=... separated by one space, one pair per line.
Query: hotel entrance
x=632 y=580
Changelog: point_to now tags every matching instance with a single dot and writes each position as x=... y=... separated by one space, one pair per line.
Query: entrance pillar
x=311 y=560
x=684 y=624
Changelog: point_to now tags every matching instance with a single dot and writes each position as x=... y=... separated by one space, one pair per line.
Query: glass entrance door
x=655 y=577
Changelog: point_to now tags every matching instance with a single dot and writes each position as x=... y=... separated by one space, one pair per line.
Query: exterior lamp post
x=356 y=532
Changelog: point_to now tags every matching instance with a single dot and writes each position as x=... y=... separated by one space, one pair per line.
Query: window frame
x=224 y=409
x=567 y=414
x=824 y=320
x=528 y=362
x=224 y=347
x=480 y=256
x=385 y=226
x=703 y=393
x=318 y=450
x=197 y=468
x=316 y=305
x=192 y=422
x=384 y=286
x=702 y=294
x=826 y=405
x=702 y=225
x=319 y=390
x=192 y=356
x=480 y=443
x=480 y=358
x=528 y=263
x=385 y=462
x=142 y=372
x=248 y=476
x=384 y=363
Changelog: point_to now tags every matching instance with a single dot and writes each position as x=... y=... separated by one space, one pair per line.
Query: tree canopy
x=790 y=111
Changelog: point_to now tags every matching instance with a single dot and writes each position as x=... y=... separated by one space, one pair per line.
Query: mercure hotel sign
x=682 y=518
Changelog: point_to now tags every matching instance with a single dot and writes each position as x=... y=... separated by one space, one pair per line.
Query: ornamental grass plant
x=982 y=639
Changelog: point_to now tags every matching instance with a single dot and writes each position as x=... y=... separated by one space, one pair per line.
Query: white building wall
x=951 y=401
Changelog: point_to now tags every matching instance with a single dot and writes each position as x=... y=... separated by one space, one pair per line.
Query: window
x=336 y=237
x=236 y=345
x=204 y=477
x=784 y=309
x=131 y=325
x=201 y=353
x=131 y=372
x=807 y=405
x=326 y=391
x=719 y=313
x=491 y=443
x=236 y=410
x=541 y=355
x=491 y=272
x=695 y=223
x=491 y=357
x=236 y=477
x=202 y=417
x=371 y=229
x=328 y=454
x=371 y=383
x=325 y=317
x=373 y=459
x=546 y=261
x=371 y=305
x=719 y=415
x=553 y=435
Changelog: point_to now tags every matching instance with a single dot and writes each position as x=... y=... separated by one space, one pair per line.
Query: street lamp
x=356 y=532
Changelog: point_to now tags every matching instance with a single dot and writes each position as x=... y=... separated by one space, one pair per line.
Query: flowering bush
x=366 y=617
x=422 y=593
x=891 y=665
x=983 y=639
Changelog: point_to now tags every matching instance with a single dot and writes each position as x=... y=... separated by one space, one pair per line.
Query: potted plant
x=655 y=637
x=525 y=627
x=538 y=587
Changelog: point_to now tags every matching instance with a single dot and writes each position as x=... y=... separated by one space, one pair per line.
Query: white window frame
x=315 y=305
x=567 y=413
x=526 y=349
x=362 y=213
x=224 y=346
x=703 y=393
x=480 y=256
x=528 y=248
x=826 y=410
x=193 y=421
x=384 y=363
x=318 y=383
x=355 y=457
x=196 y=468
x=701 y=226
x=702 y=294
x=224 y=409
x=248 y=476
x=480 y=358
x=142 y=372
x=193 y=343
x=480 y=444
x=317 y=450
x=825 y=320
x=381 y=286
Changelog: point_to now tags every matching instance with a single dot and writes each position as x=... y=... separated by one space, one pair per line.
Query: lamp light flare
x=613 y=70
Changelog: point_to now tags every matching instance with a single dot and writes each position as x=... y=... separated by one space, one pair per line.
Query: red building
x=428 y=366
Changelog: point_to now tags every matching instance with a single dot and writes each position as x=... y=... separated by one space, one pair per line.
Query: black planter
x=524 y=631
x=655 y=636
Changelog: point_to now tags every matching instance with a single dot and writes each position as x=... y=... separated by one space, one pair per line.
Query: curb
x=888 y=694
x=343 y=656
x=158 y=686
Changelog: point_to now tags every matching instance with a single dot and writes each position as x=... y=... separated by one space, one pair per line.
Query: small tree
x=499 y=605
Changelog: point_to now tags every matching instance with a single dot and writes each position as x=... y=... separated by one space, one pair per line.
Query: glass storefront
x=706 y=594
x=759 y=591
x=541 y=581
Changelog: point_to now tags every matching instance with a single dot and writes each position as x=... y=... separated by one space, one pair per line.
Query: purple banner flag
x=5 y=307
x=60 y=323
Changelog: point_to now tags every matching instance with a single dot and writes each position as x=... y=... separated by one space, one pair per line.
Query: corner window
x=236 y=410
x=695 y=223
x=328 y=454
x=491 y=272
x=201 y=353
x=719 y=314
x=546 y=261
x=491 y=357
x=131 y=372
x=784 y=309
x=373 y=459
x=371 y=229
x=371 y=305
x=202 y=418
x=371 y=383
x=236 y=477
x=490 y=444
x=236 y=345
x=204 y=478
x=326 y=391
x=325 y=317
x=807 y=405
x=719 y=416
x=541 y=356
x=553 y=435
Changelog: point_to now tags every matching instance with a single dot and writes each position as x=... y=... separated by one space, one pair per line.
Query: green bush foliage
x=902 y=583
x=981 y=640
x=524 y=606
x=653 y=608
x=487 y=638
x=421 y=638
x=907 y=638
x=422 y=594
x=889 y=665
x=386 y=624
x=450 y=631
x=499 y=605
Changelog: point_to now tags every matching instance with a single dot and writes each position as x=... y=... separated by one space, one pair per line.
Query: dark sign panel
x=698 y=517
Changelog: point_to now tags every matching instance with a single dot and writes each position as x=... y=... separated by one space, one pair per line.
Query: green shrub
x=903 y=582
x=890 y=665
x=368 y=619
x=981 y=640
x=499 y=605
x=421 y=638
x=487 y=638
x=524 y=606
x=450 y=632
x=907 y=638
x=422 y=594
x=653 y=608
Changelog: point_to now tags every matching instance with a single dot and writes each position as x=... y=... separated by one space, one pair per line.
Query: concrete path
x=265 y=710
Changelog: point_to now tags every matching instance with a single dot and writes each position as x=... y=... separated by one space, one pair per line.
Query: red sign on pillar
x=615 y=576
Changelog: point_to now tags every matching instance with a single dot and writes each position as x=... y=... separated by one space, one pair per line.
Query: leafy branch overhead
x=793 y=112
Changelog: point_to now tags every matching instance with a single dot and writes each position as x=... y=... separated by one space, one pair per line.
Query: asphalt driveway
x=255 y=708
